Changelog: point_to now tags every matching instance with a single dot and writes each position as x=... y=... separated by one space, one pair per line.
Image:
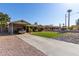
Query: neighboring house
x=75 y=27
x=51 y=28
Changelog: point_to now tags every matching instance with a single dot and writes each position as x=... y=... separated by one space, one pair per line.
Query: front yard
x=48 y=34
x=67 y=37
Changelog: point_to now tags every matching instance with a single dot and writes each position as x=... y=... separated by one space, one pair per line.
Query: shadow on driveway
x=6 y=34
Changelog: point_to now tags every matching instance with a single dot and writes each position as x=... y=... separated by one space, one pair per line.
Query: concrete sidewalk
x=51 y=47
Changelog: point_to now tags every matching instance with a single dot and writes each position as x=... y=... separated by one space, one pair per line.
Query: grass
x=48 y=34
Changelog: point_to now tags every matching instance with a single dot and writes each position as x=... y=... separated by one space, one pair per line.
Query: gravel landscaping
x=70 y=37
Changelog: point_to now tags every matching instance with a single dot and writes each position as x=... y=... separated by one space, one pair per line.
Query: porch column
x=12 y=29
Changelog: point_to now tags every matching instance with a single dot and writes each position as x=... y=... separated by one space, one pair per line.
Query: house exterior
x=13 y=27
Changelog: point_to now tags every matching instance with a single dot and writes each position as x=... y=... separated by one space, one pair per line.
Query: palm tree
x=69 y=17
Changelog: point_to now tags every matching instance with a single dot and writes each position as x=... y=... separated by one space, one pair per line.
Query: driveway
x=51 y=47
x=12 y=46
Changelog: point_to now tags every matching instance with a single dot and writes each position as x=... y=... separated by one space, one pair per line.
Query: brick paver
x=12 y=46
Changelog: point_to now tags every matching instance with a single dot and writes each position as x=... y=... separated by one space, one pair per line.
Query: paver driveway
x=12 y=46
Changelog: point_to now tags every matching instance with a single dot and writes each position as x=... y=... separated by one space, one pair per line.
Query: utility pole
x=65 y=19
x=60 y=25
x=69 y=17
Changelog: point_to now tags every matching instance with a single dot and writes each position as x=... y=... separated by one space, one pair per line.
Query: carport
x=14 y=26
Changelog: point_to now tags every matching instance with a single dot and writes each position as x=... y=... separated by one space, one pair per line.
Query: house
x=13 y=27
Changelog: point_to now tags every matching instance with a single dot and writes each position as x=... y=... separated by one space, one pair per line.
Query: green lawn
x=47 y=34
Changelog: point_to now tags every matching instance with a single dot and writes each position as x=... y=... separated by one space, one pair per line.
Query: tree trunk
x=1 y=26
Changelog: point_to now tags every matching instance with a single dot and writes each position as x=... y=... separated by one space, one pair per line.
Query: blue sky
x=45 y=14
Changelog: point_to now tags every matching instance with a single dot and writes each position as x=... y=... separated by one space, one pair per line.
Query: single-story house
x=15 y=26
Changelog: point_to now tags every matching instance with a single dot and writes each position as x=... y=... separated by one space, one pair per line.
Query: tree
x=71 y=27
x=4 y=18
x=35 y=23
x=77 y=22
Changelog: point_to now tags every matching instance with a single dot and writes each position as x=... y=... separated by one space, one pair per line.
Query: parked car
x=21 y=31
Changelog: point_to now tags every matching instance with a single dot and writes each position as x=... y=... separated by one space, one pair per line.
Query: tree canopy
x=4 y=18
x=35 y=23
